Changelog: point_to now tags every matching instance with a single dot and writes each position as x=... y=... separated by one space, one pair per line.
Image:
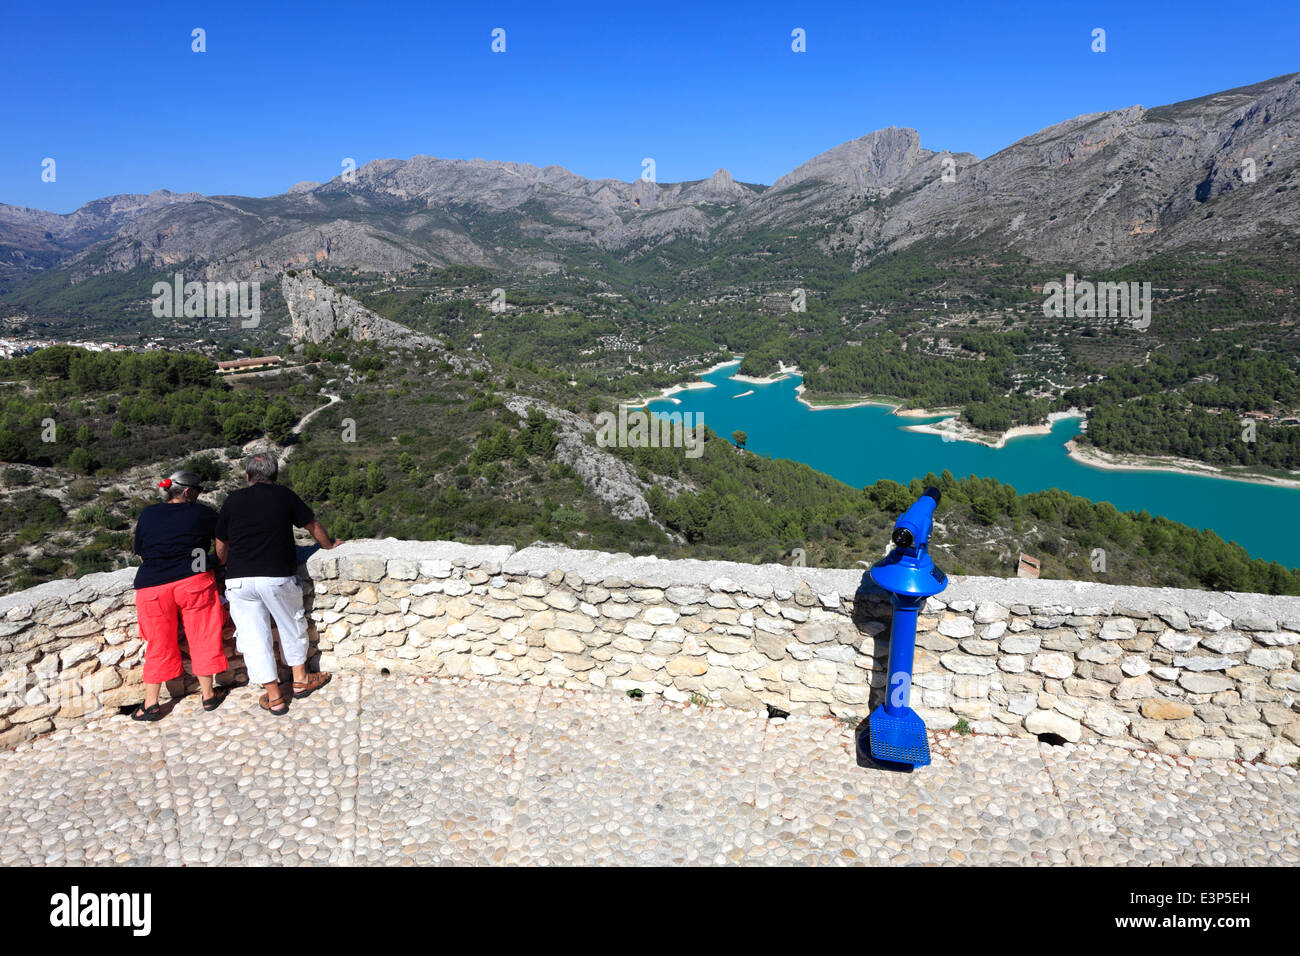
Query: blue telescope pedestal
x=910 y=575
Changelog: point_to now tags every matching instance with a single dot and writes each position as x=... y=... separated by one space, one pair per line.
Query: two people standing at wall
x=253 y=534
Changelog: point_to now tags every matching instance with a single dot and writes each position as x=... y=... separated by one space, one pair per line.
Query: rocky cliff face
x=1112 y=187
x=318 y=312
x=841 y=181
x=609 y=479
x=877 y=162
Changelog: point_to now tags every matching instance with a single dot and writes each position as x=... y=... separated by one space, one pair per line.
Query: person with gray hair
x=254 y=536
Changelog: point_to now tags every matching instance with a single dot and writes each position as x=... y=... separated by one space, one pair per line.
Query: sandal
x=313 y=683
x=213 y=702
x=147 y=713
x=270 y=705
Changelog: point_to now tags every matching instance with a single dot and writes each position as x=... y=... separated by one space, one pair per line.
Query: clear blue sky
x=112 y=92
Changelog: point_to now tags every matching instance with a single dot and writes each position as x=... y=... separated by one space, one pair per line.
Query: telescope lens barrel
x=933 y=492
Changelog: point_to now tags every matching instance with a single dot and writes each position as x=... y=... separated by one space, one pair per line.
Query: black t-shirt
x=166 y=537
x=257 y=523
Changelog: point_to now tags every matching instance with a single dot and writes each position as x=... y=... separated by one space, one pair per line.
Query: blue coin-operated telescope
x=910 y=576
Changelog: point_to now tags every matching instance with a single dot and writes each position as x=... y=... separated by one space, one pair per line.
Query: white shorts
x=254 y=602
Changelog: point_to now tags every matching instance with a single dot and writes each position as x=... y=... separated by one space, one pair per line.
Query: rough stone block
x=1227 y=642
x=1216 y=747
x=564 y=642
x=362 y=568
x=1157 y=708
x=686 y=595
x=1204 y=683
x=1077 y=687
x=1021 y=644
x=1175 y=617
x=956 y=627
x=1135 y=688
x=1117 y=629
x=1055 y=665
x=1105 y=720
x=1051 y=722
x=686 y=666
x=966 y=664
x=989 y=611
x=1203 y=662
x=1270 y=659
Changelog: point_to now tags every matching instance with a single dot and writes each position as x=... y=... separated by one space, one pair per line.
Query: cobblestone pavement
x=409 y=771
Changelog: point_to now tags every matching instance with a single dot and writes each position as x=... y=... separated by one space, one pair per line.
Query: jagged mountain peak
x=879 y=160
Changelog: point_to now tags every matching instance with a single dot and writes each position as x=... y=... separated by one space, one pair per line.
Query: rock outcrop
x=877 y=162
x=608 y=478
x=319 y=312
x=1109 y=188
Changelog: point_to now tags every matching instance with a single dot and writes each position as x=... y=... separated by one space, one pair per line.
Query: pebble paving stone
x=256 y=789
x=982 y=800
x=1145 y=807
x=440 y=765
x=87 y=798
x=610 y=780
x=410 y=771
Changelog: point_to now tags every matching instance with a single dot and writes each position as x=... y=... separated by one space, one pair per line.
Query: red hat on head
x=186 y=479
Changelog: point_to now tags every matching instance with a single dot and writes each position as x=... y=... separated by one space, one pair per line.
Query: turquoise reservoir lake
x=861 y=445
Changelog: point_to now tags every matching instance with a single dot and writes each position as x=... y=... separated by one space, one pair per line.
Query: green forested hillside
x=414 y=449
x=104 y=412
x=937 y=325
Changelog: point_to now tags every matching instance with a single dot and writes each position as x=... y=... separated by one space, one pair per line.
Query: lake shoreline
x=1096 y=458
x=799 y=390
x=950 y=429
x=784 y=372
x=669 y=391
x=953 y=430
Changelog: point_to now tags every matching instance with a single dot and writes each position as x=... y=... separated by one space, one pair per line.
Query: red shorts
x=195 y=600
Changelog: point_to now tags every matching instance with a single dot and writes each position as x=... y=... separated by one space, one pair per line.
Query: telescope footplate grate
x=899 y=738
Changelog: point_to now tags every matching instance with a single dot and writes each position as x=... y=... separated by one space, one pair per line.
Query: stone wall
x=70 y=651
x=1190 y=672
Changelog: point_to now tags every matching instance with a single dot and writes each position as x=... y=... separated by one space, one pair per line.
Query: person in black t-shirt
x=176 y=579
x=254 y=536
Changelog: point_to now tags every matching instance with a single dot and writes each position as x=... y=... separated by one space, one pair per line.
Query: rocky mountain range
x=1097 y=190
x=32 y=239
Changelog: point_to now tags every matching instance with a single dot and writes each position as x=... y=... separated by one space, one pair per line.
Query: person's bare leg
x=205 y=686
x=305 y=683
x=151 y=692
x=274 y=694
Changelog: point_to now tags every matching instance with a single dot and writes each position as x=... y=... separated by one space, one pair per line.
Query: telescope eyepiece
x=903 y=537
